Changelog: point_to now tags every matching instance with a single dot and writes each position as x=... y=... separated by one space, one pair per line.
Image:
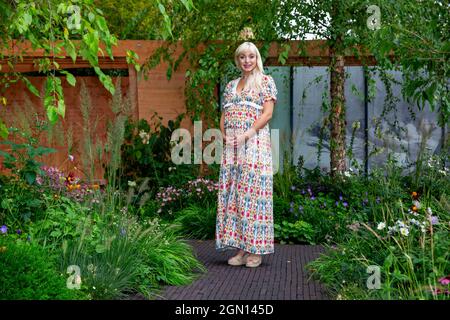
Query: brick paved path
x=281 y=276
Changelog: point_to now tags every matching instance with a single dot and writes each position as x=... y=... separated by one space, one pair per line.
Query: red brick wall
x=18 y=94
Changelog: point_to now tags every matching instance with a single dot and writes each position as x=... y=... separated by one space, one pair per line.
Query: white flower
x=131 y=183
x=145 y=137
x=404 y=231
x=400 y=223
x=391 y=230
x=347 y=174
x=142 y=134
x=429 y=211
x=381 y=226
x=71 y=157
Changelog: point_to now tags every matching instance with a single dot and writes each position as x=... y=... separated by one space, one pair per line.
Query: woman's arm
x=222 y=124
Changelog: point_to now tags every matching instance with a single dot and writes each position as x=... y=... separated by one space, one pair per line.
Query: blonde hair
x=254 y=81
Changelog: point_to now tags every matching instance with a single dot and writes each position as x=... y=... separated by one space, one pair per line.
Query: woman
x=245 y=214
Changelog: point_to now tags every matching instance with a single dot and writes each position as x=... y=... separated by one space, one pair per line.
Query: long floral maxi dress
x=245 y=210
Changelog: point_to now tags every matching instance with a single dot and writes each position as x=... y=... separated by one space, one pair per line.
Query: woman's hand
x=228 y=140
x=240 y=140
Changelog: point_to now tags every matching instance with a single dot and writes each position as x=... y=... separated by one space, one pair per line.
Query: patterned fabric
x=245 y=211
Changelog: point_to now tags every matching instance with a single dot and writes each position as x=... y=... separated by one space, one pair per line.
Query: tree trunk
x=337 y=112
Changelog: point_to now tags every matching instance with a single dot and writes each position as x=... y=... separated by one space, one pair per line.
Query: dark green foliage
x=30 y=273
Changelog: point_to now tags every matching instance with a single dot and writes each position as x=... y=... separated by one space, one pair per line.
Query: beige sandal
x=253 y=261
x=238 y=260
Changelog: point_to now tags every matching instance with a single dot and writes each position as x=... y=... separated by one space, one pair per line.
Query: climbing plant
x=416 y=33
x=75 y=28
x=209 y=35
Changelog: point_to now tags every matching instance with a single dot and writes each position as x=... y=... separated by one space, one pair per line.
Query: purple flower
x=378 y=200
x=312 y=197
x=292 y=188
x=303 y=191
x=434 y=220
x=340 y=197
x=345 y=203
x=3 y=229
x=19 y=231
x=28 y=238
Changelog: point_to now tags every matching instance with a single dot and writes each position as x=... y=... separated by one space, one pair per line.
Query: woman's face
x=247 y=60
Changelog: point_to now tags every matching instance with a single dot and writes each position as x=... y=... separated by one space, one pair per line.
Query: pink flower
x=445 y=280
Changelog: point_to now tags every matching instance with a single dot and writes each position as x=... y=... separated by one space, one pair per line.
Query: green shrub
x=409 y=246
x=29 y=272
x=106 y=275
x=146 y=152
x=20 y=202
x=197 y=222
x=298 y=232
x=170 y=259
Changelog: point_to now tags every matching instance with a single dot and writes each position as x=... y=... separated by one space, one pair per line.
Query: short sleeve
x=226 y=95
x=269 y=91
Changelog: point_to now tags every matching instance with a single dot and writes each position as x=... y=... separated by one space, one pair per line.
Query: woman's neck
x=245 y=75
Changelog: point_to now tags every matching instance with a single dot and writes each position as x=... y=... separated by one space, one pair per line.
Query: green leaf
x=61 y=108
x=30 y=177
x=71 y=51
x=69 y=77
x=388 y=261
x=3 y=130
x=52 y=114
x=188 y=4
x=101 y=23
x=138 y=154
x=55 y=233
x=91 y=17
x=30 y=87
x=100 y=248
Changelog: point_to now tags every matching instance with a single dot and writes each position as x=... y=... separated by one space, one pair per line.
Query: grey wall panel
x=400 y=135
